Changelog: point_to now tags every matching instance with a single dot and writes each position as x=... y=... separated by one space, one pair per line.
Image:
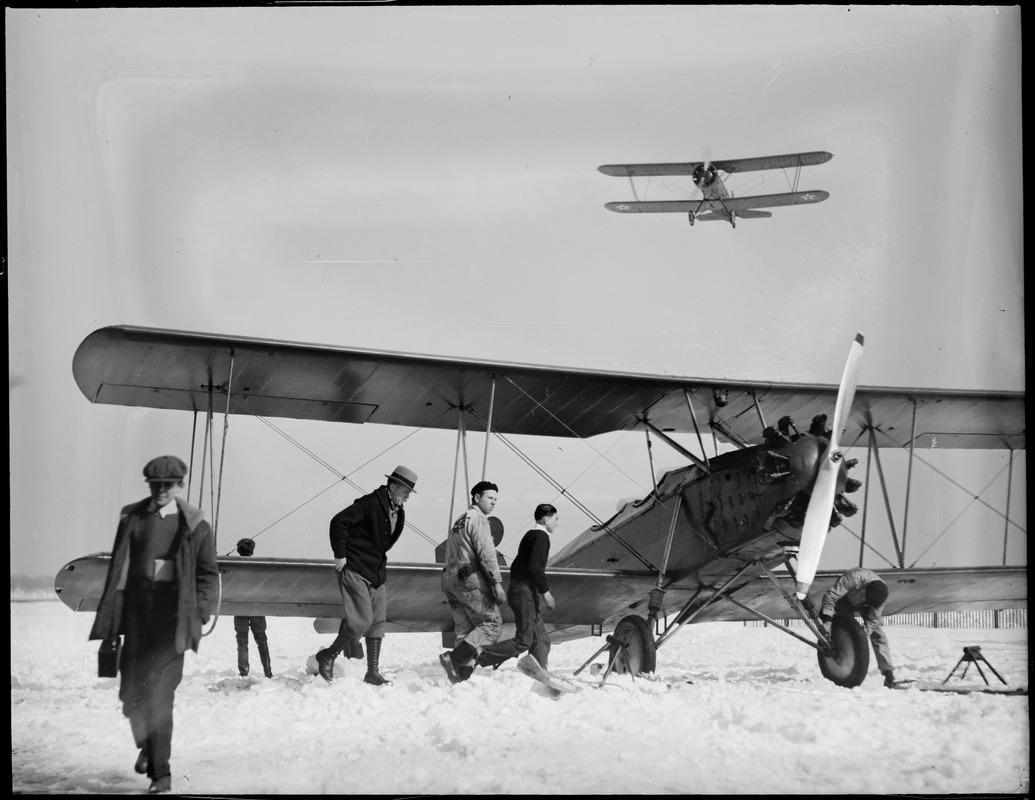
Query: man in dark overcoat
x=161 y=588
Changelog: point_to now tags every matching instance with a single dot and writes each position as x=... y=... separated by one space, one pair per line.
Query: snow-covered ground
x=757 y=718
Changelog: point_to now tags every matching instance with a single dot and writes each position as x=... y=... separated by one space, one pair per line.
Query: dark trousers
x=257 y=626
x=258 y=629
x=530 y=633
x=151 y=670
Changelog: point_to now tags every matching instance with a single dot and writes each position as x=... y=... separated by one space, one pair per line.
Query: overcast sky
x=424 y=180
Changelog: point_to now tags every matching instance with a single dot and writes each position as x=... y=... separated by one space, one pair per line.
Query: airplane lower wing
x=737 y=204
x=585 y=597
x=743 y=214
x=289 y=587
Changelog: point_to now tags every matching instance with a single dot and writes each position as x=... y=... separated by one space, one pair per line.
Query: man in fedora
x=161 y=587
x=361 y=536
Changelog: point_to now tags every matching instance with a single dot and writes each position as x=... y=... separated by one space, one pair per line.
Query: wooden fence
x=1000 y=618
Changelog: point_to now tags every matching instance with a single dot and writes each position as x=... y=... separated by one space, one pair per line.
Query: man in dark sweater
x=527 y=585
x=361 y=536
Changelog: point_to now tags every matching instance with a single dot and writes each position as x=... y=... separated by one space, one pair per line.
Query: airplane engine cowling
x=802 y=458
x=705 y=175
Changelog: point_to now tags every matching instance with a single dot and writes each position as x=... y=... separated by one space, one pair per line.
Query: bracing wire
x=330 y=468
x=575 y=434
x=571 y=498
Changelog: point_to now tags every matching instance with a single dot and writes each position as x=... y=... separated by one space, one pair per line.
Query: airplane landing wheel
x=692 y=216
x=848 y=664
x=640 y=654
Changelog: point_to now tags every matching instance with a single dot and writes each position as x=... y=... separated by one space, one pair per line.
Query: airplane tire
x=848 y=664
x=640 y=649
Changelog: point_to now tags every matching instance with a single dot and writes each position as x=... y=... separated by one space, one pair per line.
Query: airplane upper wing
x=737 y=204
x=789 y=161
x=272 y=587
x=155 y=368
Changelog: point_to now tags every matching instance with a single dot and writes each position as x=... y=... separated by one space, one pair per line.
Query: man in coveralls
x=862 y=591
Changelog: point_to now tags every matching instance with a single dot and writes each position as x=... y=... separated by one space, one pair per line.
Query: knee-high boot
x=242 y=660
x=325 y=658
x=264 y=657
x=373 y=676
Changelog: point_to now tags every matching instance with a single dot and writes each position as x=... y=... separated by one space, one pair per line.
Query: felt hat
x=407 y=477
x=165 y=468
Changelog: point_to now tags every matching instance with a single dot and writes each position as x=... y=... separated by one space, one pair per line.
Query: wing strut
x=461 y=444
x=650 y=456
x=702 y=463
x=697 y=428
x=575 y=501
x=488 y=427
x=222 y=456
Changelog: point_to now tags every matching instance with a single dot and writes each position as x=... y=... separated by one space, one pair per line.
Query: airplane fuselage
x=748 y=506
x=706 y=178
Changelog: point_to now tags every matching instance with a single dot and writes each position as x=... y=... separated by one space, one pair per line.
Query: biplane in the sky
x=733 y=536
x=715 y=201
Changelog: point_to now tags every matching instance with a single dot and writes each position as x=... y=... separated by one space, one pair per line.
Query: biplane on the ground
x=716 y=201
x=734 y=536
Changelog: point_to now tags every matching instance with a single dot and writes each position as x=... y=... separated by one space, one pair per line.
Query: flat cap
x=484 y=486
x=165 y=468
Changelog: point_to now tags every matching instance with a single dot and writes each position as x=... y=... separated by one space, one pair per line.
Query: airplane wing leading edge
x=789 y=161
x=155 y=368
x=308 y=588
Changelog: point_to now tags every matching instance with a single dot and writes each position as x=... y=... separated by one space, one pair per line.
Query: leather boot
x=454 y=662
x=242 y=661
x=373 y=676
x=264 y=657
x=462 y=654
x=325 y=658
